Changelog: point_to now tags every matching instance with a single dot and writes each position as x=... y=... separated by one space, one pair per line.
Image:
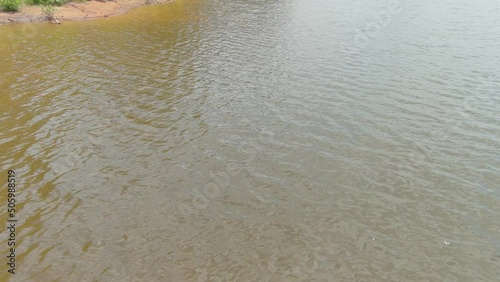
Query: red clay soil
x=76 y=11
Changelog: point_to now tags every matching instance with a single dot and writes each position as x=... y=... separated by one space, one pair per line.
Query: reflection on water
x=254 y=140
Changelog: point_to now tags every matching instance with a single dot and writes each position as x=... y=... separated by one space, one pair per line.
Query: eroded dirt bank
x=76 y=11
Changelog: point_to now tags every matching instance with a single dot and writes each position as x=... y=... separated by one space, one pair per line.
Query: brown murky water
x=219 y=140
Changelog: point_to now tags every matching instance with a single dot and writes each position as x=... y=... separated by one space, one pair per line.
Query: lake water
x=246 y=140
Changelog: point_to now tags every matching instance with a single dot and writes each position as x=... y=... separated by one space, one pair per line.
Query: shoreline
x=72 y=11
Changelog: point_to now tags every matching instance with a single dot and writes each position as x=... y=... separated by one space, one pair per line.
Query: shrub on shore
x=48 y=12
x=10 y=5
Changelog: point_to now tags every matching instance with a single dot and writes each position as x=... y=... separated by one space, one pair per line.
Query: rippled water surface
x=246 y=140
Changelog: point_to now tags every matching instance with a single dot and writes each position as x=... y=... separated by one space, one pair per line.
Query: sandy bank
x=76 y=11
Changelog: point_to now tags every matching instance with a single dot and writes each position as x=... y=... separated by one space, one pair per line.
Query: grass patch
x=59 y=2
x=10 y=5
x=46 y=2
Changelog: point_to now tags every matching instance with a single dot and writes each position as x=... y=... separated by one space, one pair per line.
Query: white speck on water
x=446 y=242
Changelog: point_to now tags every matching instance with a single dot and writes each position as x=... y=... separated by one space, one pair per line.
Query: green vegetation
x=58 y=2
x=10 y=5
x=46 y=2
x=14 y=5
x=48 y=12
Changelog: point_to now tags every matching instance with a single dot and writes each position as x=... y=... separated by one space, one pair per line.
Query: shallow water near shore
x=256 y=141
